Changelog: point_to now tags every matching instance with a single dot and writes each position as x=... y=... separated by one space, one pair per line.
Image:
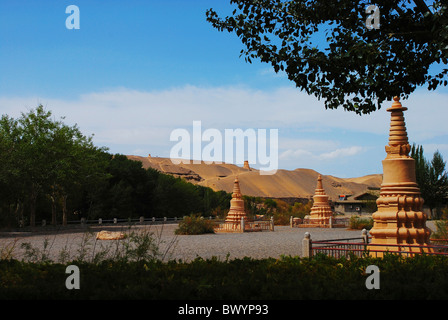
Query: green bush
x=358 y=223
x=441 y=229
x=194 y=224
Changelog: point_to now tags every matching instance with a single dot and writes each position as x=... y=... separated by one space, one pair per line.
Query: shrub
x=194 y=224
x=358 y=223
x=288 y=278
x=441 y=230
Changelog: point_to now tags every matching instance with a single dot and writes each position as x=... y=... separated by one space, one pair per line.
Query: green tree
x=32 y=158
x=327 y=50
x=128 y=191
x=175 y=197
x=438 y=178
x=11 y=186
x=76 y=163
x=44 y=157
x=432 y=178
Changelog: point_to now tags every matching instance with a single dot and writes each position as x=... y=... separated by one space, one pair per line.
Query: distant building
x=362 y=203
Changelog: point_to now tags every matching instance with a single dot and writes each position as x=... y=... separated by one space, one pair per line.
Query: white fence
x=141 y=220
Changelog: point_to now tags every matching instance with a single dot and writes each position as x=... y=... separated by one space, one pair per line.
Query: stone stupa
x=399 y=219
x=321 y=212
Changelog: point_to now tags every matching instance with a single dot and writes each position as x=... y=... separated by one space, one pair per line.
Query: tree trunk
x=18 y=212
x=53 y=209
x=64 y=209
x=33 y=203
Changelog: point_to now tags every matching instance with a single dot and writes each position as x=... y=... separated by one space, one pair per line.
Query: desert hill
x=298 y=183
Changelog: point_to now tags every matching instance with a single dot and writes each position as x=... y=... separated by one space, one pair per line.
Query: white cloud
x=342 y=152
x=308 y=134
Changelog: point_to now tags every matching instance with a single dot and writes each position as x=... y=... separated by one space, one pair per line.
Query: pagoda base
x=246 y=226
x=380 y=247
x=229 y=227
x=327 y=222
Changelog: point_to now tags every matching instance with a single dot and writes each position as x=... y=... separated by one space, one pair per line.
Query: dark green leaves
x=353 y=61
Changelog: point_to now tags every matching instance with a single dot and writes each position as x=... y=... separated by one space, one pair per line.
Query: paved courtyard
x=284 y=240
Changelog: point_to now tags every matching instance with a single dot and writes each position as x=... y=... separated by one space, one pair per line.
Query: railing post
x=306 y=245
x=271 y=226
x=242 y=224
x=142 y=219
x=365 y=236
x=100 y=221
x=331 y=222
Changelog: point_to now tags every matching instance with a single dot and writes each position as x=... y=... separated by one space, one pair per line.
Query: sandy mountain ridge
x=298 y=183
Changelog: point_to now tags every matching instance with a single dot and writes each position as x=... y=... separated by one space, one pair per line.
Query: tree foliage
x=431 y=177
x=326 y=49
x=42 y=156
x=52 y=171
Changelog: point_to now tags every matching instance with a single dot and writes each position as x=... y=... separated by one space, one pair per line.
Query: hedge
x=320 y=277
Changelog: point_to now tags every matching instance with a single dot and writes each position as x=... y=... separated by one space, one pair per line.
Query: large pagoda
x=399 y=219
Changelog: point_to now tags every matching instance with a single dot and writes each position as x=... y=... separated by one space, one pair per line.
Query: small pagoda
x=236 y=217
x=236 y=212
x=237 y=220
x=321 y=212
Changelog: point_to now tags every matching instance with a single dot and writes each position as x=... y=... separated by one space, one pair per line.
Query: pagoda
x=399 y=219
x=236 y=211
x=237 y=220
x=321 y=212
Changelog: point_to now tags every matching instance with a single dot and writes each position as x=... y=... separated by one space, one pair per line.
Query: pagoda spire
x=398 y=136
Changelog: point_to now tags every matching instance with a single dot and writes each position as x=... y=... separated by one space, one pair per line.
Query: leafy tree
x=300 y=209
x=127 y=192
x=42 y=156
x=35 y=130
x=49 y=167
x=176 y=197
x=438 y=178
x=76 y=165
x=327 y=50
x=11 y=188
x=431 y=177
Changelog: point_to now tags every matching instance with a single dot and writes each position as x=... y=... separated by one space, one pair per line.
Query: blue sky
x=137 y=70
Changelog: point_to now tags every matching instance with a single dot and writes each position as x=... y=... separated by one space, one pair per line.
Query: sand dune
x=298 y=183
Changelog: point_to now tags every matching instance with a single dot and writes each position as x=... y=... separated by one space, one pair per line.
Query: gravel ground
x=284 y=240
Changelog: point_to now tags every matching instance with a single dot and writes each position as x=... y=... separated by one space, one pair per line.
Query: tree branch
x=422 y=7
